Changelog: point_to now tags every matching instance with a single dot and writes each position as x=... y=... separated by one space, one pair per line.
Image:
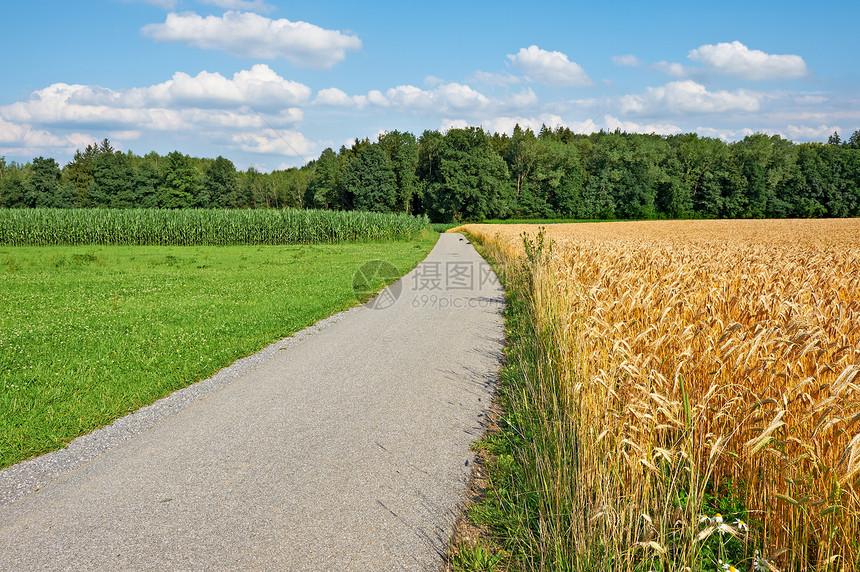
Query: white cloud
x=610 y=123
x=726 y=133
x=551 y=68
x=507 y=124
x=23 y=139
x=374 y=97
x=459 y=97
x=124 y=135
x=290 y=143
x=453 y=98
x=254 y=5
x=737 y=60
x=627 y=60
x=585 y=104
x=63 y=105
x=167 y=105
x=209 y=107
x=410 y=97
x=445 y=97
x=448 y=124
x=811 y=99
x=587 y=127
x=522 y=99
x=613 y=123
x=810 y=133
x=673 y=69
x=500 y=79
x=251 y=35
x=334 y=97
x=731 y=59
x=259 y=87
x=688 y=97
x=239 y=119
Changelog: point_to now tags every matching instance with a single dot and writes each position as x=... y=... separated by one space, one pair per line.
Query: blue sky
x=271 y=84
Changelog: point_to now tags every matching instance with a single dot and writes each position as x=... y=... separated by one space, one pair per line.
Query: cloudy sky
x=271 y=84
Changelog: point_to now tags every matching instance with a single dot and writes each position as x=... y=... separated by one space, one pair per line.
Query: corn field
x=158 y=227
x=699 y=395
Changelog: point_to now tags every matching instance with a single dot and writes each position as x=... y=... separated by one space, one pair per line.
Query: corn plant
x=189 y=227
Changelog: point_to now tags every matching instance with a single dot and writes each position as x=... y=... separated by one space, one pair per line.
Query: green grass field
x=90 y=333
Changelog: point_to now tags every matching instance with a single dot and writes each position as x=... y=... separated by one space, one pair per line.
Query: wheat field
x=702 y=393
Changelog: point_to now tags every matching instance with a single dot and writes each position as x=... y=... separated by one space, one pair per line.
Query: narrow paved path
x=348 y=450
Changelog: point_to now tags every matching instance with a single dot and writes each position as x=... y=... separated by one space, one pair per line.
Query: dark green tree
x=370 y=181
x=849 y=183
x=428 y=170
x=402 y=151
x=291 y=185
x=815 y=183
x=146 y=184
x=179 y=183
x=67 y=196
x=220 y=185
x=113 y=181
x=703 y=163
x=253 y=189
x=322 y=188
x=521 y=156
x=767 y=166
x=12 y=178
x=472 y=182
x=597 y=201
x=40 y=187
x=674 y=197
x=626 y=167
x=79 y=172
x=343 y=199
x=558 y=177
x=3 y=173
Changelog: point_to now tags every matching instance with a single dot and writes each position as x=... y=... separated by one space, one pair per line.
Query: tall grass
x=689 y=397
x=157 y=227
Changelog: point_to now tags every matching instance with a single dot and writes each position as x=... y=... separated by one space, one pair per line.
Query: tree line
x=469 y=174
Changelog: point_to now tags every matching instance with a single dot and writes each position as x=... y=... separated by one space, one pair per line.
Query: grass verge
x=489 y=535
x=443 y=226
x=90 y=333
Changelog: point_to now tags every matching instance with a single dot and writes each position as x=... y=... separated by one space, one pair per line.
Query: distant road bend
x=344 y=448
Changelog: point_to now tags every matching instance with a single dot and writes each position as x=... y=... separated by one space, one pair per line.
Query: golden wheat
x=703 y=358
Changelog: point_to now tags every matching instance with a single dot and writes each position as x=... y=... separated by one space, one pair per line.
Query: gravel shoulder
x=344 y=447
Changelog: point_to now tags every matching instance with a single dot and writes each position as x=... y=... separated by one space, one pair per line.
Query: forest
x=471 y=175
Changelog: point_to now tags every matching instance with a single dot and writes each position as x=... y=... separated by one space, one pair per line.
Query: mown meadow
x=678 y=396
x=91 y=332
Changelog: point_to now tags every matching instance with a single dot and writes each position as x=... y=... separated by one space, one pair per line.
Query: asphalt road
x=346 y=448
